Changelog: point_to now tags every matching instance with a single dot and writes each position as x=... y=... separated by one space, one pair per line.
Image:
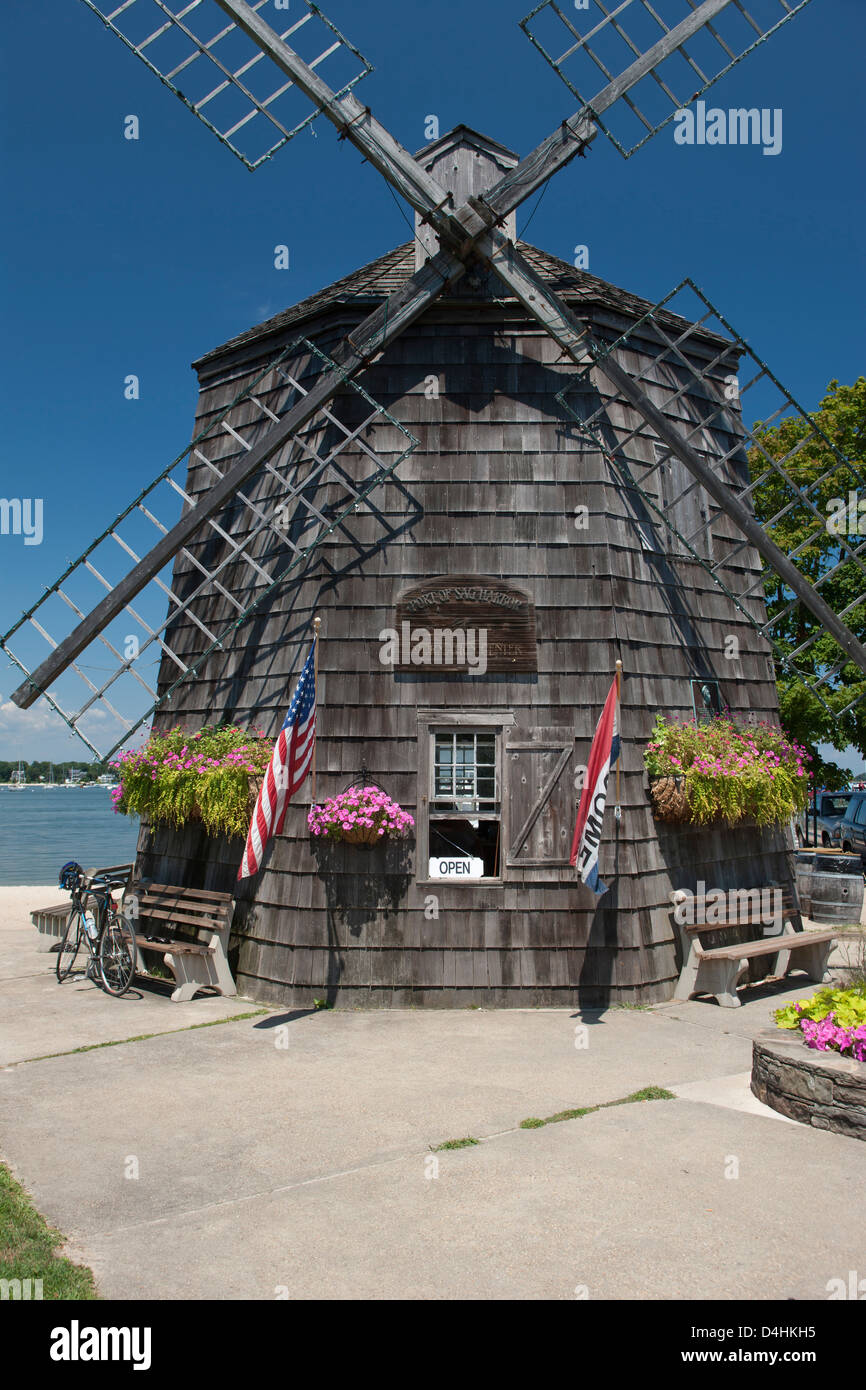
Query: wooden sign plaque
x=494 y=617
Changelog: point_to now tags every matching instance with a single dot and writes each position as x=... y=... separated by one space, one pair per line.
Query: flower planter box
x=820 y=1089
x=163 y=780
x=718 y=772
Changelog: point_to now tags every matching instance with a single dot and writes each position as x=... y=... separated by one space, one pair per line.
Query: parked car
x=831 y=810
x=852 y=830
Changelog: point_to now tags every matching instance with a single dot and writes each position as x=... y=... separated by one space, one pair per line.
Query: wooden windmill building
x=508 y=519
x=491 y=476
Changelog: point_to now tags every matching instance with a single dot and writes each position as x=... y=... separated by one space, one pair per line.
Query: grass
x=143 y=1037
x=648 y=1093
x=636 y=1097
x=29 y=1247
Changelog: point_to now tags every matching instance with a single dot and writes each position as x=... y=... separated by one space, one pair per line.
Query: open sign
x=458 y=866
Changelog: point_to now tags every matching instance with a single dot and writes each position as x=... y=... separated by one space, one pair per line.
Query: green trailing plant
x=720 y=770
x=209 y=775
x=648 y=1093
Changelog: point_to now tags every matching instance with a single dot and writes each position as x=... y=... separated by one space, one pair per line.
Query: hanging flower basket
x=210 y=777
x=198 y=816
x=721 y=772
x=361 y=835
x=670 y=800
x=360 y=816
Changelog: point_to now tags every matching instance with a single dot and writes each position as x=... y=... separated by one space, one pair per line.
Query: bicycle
x=108 y=935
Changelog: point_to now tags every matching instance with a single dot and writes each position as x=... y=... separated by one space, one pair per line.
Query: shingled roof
x=373 y=283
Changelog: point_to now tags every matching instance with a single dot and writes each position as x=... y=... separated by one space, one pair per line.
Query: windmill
x=294 y=479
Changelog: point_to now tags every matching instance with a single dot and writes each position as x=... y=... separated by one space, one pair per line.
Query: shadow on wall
x=727 y=857
x=596 y=974
x=363 y=884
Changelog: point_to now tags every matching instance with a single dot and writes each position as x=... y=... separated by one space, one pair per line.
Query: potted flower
x=833 y=1020
x=360 y=816
x=719 y=770
x=210 y=776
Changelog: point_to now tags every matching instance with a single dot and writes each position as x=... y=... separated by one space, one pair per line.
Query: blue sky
x=138 y=256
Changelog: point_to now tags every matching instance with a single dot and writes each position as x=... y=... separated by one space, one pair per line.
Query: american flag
x=292 y=756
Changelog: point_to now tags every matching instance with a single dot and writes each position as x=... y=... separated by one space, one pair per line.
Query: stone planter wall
x=820 y=1089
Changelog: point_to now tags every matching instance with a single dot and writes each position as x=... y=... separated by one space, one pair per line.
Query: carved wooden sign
x=464 y=623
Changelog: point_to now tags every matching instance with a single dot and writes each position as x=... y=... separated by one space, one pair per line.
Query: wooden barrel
x=830 y=887
x=803 y=875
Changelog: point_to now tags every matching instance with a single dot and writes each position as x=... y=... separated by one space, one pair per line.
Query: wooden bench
x=50 y=922
x=716 y=968
x=190 y=928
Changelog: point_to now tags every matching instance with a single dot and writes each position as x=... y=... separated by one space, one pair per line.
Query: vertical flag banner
x=289 y=765
x=587 y=831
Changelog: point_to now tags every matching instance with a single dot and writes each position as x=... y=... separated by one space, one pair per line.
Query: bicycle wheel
x=69 y=946
x=117 y=953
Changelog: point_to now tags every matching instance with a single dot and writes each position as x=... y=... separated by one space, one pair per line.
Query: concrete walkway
x=289 y=1153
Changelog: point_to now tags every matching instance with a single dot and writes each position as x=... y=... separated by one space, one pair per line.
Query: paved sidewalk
x=291 y=1151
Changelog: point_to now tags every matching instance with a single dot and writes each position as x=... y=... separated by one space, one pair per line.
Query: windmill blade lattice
x=796 y=480
x=304 y=494
x=719 y=34
x=224 y=77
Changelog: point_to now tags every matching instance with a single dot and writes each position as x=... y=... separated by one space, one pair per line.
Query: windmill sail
x=186 y=36
x=223 y=77
x=656 y=56
x=280 y=520
x=795 y=479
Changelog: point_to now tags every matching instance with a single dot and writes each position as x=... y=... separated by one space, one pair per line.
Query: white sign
x=457 y=867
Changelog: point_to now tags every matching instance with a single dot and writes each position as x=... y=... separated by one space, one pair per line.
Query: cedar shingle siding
x=491 y=491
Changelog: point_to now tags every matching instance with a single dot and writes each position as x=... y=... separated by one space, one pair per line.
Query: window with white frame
x=464 y=824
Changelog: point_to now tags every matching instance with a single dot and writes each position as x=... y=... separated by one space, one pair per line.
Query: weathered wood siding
x=492 y=490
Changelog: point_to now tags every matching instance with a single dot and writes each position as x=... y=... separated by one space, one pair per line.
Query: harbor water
x=42 y=827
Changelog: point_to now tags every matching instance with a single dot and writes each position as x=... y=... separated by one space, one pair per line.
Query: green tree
x=823 y=544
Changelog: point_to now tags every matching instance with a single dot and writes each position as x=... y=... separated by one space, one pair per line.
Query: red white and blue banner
x=587 y=832
x=289 y=765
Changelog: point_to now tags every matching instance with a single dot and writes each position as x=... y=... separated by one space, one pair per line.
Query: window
x=464 y=772
x=465 y=808
x=462 y=812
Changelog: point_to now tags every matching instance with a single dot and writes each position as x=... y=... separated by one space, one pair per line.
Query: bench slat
x=193 y=893
x=790 y=908
x=188 y=919
x=61 y=910
x=186 y=905
x=729 y=926
x=769 y=945
x=189 y=900
x=183 y=948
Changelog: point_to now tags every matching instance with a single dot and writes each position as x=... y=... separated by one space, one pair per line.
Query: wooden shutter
x=542 y=801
